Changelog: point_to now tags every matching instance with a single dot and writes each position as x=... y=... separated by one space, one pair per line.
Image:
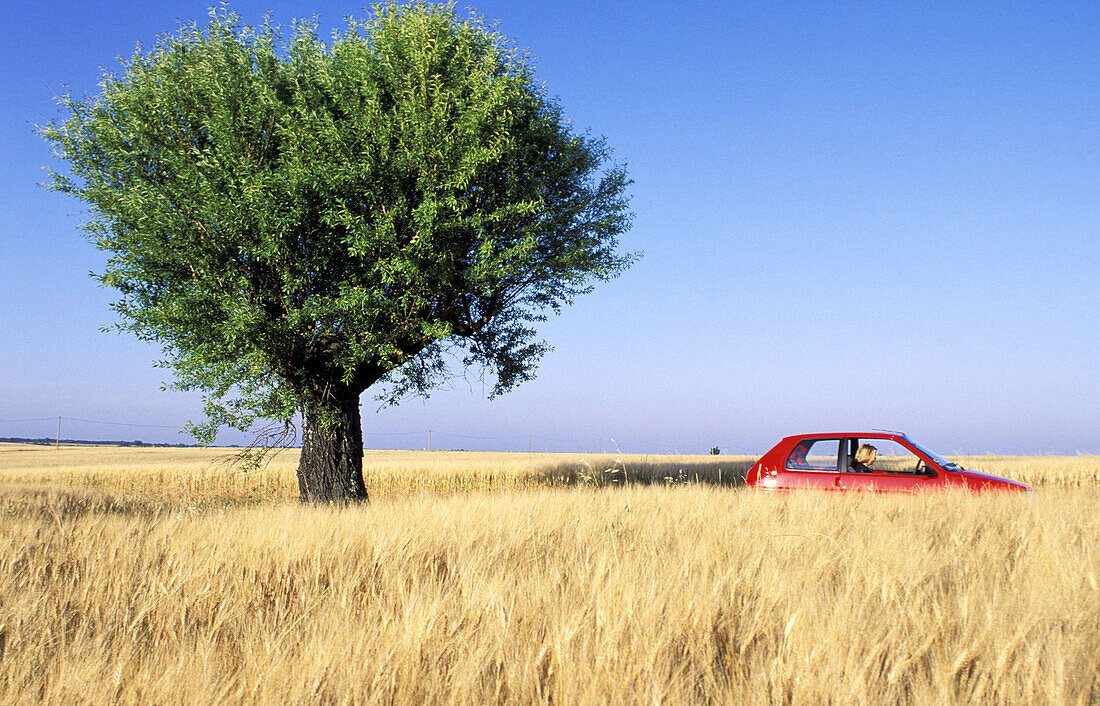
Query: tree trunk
x=331 y=466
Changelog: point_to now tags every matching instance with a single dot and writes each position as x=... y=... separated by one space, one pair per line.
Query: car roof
x=857 y=434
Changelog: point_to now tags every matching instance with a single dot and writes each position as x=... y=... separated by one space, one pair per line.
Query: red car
x=887 y=462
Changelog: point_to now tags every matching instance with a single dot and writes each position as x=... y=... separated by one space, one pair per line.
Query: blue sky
x=854 y=215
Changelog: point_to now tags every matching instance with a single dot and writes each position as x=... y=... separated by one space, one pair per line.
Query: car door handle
x=838 y=483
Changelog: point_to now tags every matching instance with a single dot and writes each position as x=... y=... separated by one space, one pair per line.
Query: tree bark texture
x=331 y=466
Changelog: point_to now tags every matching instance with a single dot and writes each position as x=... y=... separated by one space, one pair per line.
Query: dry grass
x=204 y=475
x=1080 y=471
x=668 y=592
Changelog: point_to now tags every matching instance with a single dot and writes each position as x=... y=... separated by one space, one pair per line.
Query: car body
x=827 y=462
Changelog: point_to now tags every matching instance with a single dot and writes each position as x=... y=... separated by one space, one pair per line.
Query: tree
x=296 y=222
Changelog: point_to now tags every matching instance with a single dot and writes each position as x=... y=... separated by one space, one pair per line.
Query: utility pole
x=58 y=446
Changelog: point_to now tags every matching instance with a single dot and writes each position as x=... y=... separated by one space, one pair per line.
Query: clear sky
x=854 y=215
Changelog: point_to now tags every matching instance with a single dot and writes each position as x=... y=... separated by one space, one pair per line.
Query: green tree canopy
x=296 y=222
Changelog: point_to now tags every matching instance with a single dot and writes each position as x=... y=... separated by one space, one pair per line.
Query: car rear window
x=814 y=455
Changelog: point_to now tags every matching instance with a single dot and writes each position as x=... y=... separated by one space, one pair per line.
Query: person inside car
x=865 y=457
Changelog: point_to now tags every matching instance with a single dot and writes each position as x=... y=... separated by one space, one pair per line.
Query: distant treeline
x=86 y=442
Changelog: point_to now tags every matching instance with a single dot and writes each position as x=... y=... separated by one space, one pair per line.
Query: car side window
x=814 y=455
x=889 y=457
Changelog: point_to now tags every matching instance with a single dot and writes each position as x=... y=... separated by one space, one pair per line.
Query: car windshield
x=940 y=460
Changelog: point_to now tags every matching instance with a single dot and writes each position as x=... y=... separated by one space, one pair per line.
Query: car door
x=898 y=468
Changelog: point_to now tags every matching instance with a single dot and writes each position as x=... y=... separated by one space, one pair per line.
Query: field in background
x=204 y=475
x=159 y=575
x=200 y=475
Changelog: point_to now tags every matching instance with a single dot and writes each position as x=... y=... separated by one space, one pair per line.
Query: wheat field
x=157 y=576
x=208 y=475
